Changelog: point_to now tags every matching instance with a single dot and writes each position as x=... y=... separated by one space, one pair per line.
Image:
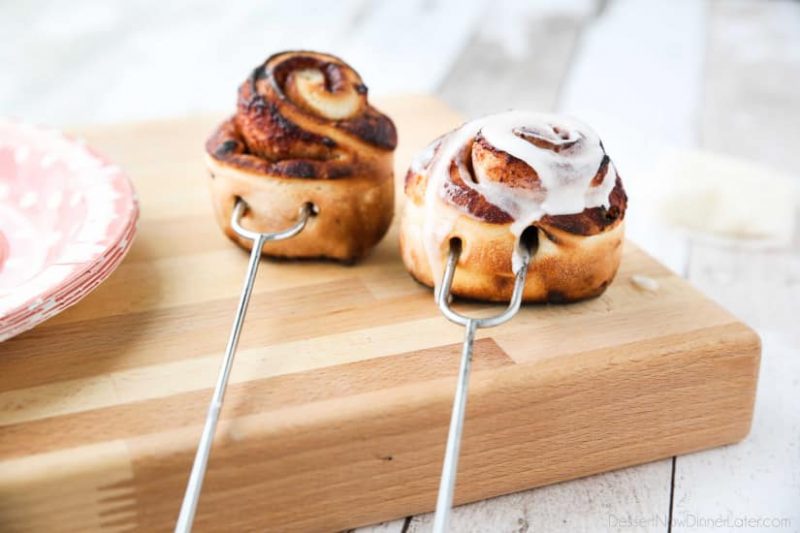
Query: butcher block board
x=340 y=397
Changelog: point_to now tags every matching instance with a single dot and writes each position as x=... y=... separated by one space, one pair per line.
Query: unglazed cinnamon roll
x=493 y=179
x=304 y=132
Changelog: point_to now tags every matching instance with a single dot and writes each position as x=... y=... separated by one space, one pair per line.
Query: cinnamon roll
x=542 y=178
x=305 y=133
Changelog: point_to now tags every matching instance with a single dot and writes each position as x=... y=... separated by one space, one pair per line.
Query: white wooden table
x=717 y=75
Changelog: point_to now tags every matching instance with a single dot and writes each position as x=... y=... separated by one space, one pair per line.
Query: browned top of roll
x=472 y=161
x=303 y=115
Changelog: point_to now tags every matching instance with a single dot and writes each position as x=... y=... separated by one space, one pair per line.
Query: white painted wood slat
x=607 y=502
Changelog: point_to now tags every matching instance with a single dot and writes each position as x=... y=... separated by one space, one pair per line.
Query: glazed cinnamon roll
x=542 y=178
x=305 y=133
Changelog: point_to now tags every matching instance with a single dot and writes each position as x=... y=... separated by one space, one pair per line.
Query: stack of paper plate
x=67 y=218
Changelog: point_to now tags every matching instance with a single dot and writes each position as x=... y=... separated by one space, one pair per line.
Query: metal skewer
x=195 y=484
x=444 y=501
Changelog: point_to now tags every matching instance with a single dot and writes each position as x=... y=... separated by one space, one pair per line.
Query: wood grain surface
x=339 y=400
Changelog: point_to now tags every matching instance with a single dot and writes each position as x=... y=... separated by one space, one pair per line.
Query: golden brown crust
x=565 y=268
x=354 y=212
x=576 y=256
x=305 y=132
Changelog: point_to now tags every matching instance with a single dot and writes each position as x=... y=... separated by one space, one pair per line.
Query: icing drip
x=565 y=154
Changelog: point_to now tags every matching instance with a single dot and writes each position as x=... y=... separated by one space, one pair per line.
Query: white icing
x=421 y=161
x=645 y=282
x=565 y=177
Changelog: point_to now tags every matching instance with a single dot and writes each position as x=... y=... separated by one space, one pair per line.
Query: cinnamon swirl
x=304 y=132
x=493 y=179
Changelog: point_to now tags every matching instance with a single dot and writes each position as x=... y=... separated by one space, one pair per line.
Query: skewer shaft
x=448 y=482
x=195 y=485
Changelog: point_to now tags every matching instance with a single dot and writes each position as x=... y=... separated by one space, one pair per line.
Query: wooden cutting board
x=340 y=396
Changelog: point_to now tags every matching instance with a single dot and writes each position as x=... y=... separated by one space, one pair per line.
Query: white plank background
x=650 y=76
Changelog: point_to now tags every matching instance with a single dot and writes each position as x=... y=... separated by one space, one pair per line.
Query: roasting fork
x=522 y=251
x=195 y=484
